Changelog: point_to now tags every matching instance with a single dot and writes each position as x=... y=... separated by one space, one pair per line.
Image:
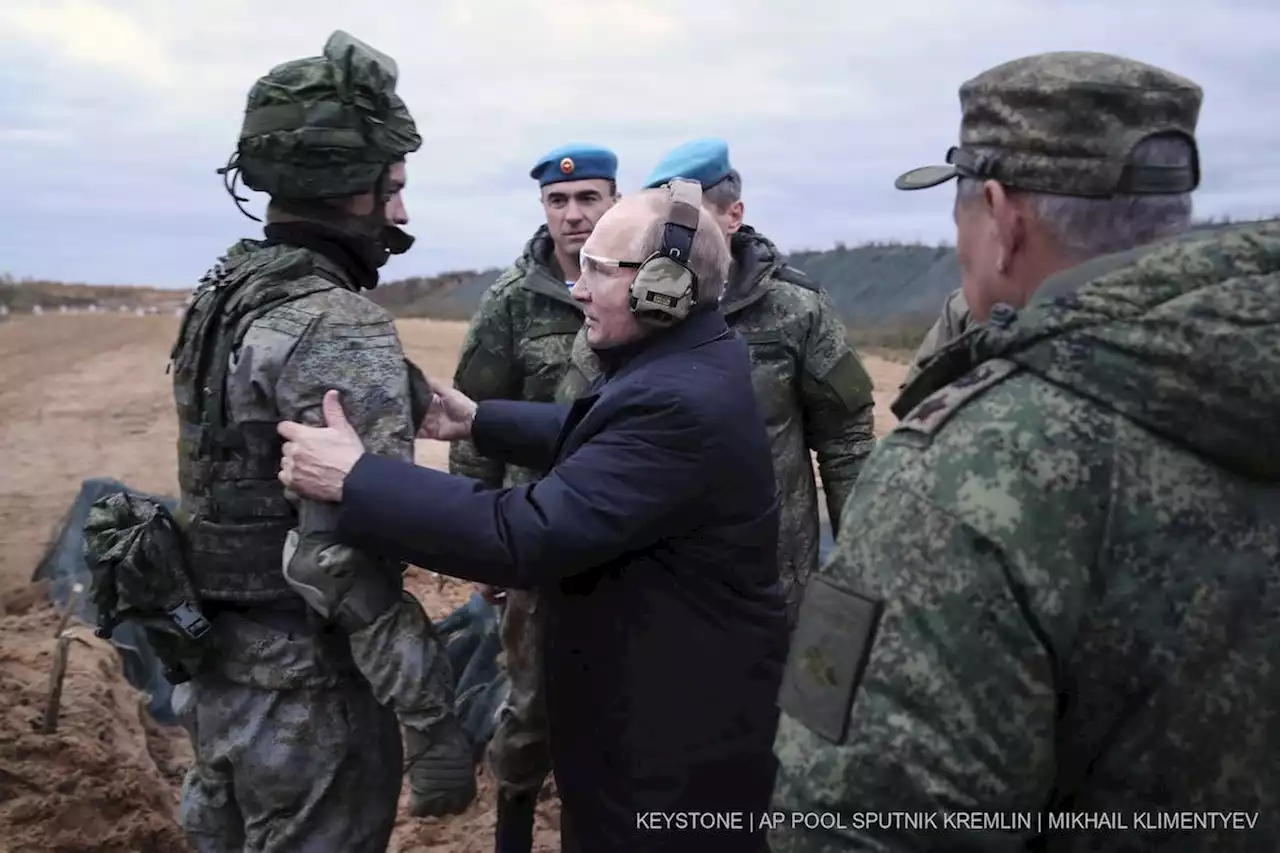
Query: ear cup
x=665 y=289
x=662 y=292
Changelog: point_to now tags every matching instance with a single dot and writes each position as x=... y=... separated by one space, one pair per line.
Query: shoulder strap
x=935 y=410
x=238 y=297
x=788 y=273
x=236 y=327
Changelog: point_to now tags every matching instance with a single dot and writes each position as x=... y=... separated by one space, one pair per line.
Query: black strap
x=1133 y=180
x=229 y=327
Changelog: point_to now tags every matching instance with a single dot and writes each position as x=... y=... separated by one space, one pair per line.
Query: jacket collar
x=542 y=273
x=699 y=328
x=354 y=256
x=755 y=258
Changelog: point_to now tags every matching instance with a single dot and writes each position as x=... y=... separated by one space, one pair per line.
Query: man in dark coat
x=653 y=538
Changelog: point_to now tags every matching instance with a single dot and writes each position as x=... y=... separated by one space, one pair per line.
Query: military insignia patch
x=566 y=166
x=937 y=409
x=833 y=639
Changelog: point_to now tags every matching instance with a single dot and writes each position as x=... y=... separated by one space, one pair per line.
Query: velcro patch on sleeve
x=830 y=648
x=936 y=409
x=484 y=375
x=849 y=381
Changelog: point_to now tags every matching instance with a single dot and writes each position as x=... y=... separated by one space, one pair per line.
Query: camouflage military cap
x=325 y=126
x=1066 y=123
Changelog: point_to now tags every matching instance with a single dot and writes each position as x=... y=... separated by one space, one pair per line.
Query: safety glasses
x=603 y=266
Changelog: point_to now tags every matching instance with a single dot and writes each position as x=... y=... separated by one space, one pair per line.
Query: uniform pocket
x=544 y=355
x=274 y=658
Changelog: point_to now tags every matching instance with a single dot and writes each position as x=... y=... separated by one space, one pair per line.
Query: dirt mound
x=107 y=779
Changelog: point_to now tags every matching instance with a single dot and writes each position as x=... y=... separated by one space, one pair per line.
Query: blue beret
x=703 y=160
x=578 y=161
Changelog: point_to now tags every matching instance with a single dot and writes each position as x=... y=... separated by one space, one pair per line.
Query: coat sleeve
x=357 y=353
x=839 y=410
x=518 y=432
x=622 y=490
x=953 y=692
x=486 y=370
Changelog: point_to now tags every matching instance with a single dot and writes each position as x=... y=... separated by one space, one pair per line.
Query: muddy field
x=87 y=396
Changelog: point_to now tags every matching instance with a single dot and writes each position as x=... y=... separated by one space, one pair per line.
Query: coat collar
x=699 y=328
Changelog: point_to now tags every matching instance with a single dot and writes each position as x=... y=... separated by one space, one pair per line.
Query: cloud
x=116 y=114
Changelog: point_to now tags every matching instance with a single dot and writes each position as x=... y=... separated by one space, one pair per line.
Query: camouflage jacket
x=812 y=387
x=955 y=320
x=517 y=348
x=1064 y=591
x=286 y=359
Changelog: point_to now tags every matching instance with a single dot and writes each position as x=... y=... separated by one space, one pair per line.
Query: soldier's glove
x=442 y=777
x=338 y=583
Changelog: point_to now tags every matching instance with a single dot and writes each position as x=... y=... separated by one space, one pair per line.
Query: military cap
x=1066 y=123
x=703 y=160
x=577 y=161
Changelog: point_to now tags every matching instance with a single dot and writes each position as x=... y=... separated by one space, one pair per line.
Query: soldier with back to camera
x=1056 y=594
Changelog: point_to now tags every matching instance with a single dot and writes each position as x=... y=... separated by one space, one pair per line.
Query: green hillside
x=449 y=296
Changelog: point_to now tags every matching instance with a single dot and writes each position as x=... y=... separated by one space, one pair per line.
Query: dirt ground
x=86 y=395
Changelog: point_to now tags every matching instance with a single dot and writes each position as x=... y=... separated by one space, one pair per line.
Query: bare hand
x=316 y=460
x=450 y=414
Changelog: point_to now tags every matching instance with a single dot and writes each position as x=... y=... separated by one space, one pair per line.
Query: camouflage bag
x=136 y=552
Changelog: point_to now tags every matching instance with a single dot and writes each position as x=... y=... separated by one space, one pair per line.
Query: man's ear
x=737 y=211
x=1008 y=221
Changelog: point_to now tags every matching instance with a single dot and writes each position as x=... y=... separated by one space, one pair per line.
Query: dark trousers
x=742 y=786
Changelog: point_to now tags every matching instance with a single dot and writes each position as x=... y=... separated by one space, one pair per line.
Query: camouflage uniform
x=1063 y=595
x=955 y=320
x=517 y=348
x=294 y=720
x=814 y=392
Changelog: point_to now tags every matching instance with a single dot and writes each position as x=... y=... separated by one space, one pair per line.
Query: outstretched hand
x=316 y=460
x=450 y=414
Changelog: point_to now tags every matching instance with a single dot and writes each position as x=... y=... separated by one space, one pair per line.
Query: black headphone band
x=682 y=226
x=652 y=293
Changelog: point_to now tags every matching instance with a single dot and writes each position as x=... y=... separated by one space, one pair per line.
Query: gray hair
x=709 y=257
x=1088 y=227
x=724 y=192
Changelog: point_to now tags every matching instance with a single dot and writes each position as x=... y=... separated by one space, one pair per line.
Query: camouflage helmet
x=326 y=126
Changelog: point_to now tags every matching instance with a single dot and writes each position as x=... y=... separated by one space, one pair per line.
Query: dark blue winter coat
x=653 y=539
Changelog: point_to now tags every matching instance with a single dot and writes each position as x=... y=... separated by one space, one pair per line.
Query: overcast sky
x=114 y=114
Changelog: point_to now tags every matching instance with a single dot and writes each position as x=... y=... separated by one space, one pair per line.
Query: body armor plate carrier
x=239 y=516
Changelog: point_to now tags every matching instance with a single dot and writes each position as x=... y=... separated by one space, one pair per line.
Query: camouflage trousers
x=401 y=656
x=292 y=750
x=520 y=750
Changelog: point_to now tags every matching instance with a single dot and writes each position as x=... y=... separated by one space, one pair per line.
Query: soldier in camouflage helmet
x=294 y=724
x=811 y=385
x=1063 y=595
x=517 y=348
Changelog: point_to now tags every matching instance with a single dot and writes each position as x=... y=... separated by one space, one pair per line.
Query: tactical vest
x=238 y=514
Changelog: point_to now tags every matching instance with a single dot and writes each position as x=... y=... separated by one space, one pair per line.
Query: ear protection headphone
x=665 y=290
